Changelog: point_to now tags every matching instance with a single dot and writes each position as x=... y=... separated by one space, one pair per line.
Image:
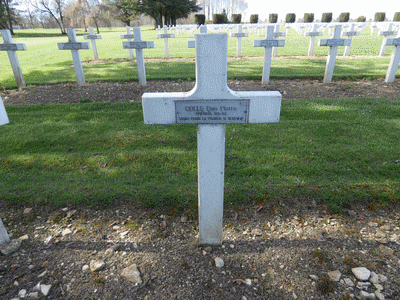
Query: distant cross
x=93 y=37
x=386 y=33
x=239 y=36
x=166 y=36
x=211 y=104
x=268 y=43
x=395 y=59
x=11 y=47
x=350 y=33
x=139 y=45
x=312 y=34
x=74 y=45
x=333 y=44
x=277 y=34
x=129 y=37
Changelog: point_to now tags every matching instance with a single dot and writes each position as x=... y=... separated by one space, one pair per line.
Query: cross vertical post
x=74 y=45
x=333 y=44
x=139 y=45
x=11 y=47
x=239 y=36
x=93 y=37
x=277 y=34
x=211 y=104
x=268 y=43
x=166 y=36
x=395 y=59
x=4 y=238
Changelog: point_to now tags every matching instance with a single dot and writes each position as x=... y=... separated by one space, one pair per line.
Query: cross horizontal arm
x=159 y=108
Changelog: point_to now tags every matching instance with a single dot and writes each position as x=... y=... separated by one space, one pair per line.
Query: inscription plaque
x=136 y=45
x=335 y=42
x=8 y=47
x=211 y=111
x=73 y=46
x=393 y=42
x=165 y=35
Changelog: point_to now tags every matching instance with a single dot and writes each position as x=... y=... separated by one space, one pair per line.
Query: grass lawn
x=43 y=63
x=337 y=151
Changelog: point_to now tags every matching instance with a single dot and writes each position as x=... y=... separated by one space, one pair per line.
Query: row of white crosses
x=211 y=105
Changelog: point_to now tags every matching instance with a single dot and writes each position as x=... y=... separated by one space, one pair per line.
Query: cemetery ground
x=306 y=200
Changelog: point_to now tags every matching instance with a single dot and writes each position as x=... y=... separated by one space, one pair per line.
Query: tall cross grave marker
x=268 y=43
x=395 y=59
x=74 y=45
x=11 y=47
x=129 y=37
x=166 y=36
x=312 y=34
x=239 y=36
x=4 y=238
x=211 y=105
x=350 y=33
x=386 y=33
x=333 y=44
x=93 y=37
x=139 y=45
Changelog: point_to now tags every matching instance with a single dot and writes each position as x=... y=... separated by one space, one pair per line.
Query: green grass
x=43 y=63
x=336 y=151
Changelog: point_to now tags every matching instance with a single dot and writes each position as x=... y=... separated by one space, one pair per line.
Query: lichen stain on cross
x=211 y=87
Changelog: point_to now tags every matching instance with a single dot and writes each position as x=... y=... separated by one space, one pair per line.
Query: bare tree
x=55 y=8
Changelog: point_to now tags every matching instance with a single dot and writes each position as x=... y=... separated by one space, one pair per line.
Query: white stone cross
x=11 y=47
x=93 y=37
x=166 y=36
x=211 y=104
x=4 y=238
x=74 y=45
x=350 y=33
x=268 y=43
x=312 y=34
x=239 y=36
x=395 y=59
x=333 y=44
x=129 y=36
x=139 y=45
x=386 y=33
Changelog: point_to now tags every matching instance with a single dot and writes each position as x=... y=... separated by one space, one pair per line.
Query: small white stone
x=367 y=296
x=37 y=287
x=256 y=231
x=22 y=293
x=96 y=265
x=379 y=295
x=85 y=268
x=349 y=282
x=363 y=285
x=27 y=210
x=374 y=278
x=45 y=289
x=66 y=231
x=378 y=286
x=313 y=277
x=361 y=273
x=335 y=275
x=247 y=281
x=219 y=263
x=132 y=274
x=24 y=237
x=34 y=295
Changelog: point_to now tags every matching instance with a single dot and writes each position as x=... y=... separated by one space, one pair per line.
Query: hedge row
x=291 y=18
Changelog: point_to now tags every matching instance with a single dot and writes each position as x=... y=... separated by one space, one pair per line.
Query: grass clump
x=320 y=255
x=325 y=285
